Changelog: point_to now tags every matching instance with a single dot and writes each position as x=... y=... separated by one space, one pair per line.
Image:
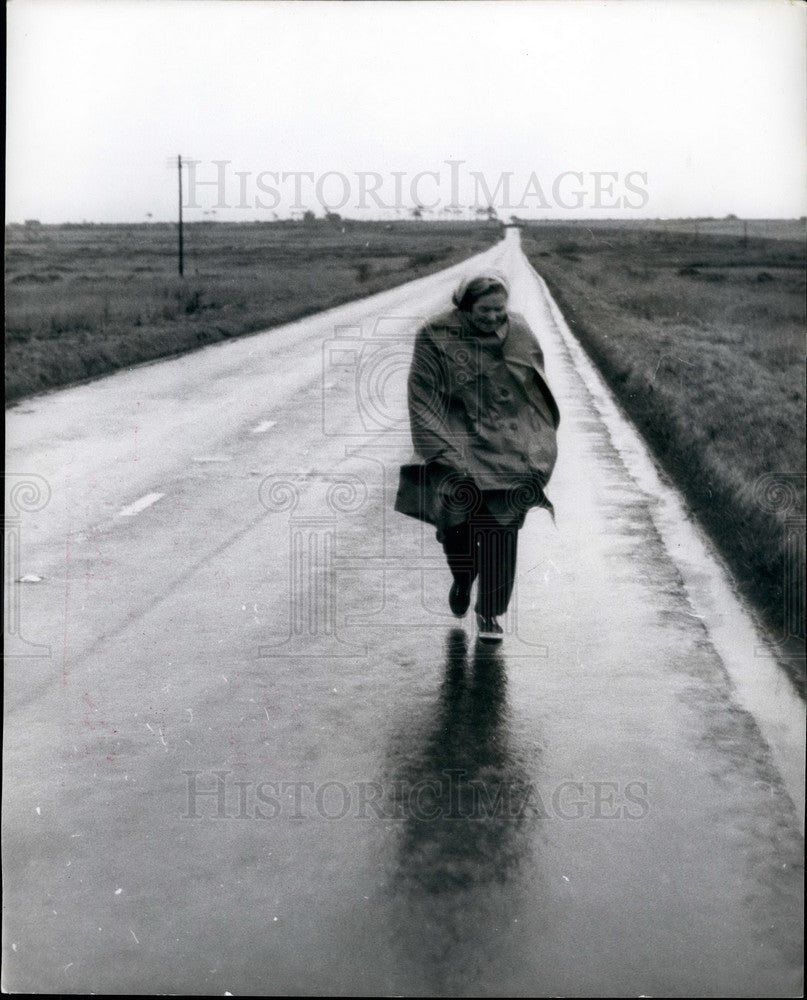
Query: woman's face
x=489 y=311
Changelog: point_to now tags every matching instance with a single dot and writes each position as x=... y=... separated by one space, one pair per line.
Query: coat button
x=513 y=425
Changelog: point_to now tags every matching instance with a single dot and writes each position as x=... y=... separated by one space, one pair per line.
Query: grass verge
x=85 y=300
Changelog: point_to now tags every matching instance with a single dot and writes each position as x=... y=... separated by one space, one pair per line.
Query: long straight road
x=249 y=751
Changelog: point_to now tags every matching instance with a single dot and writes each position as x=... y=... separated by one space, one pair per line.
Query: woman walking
x=483 y=422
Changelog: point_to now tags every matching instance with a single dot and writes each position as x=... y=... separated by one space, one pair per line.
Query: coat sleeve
x=525 y=359
x=430 y=404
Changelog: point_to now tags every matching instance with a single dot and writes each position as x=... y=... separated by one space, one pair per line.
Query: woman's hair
x=471 y=289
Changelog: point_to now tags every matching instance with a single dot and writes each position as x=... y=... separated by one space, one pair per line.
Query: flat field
x=702 y=337
x=85 y=300
x=769 y=229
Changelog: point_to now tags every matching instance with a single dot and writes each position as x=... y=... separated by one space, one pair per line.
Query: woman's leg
x=497 y=547
x=460 y=548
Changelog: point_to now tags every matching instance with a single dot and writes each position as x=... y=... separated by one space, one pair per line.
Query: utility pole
x=179 y=172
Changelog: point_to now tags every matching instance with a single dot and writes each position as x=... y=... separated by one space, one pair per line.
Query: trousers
x=482 y=547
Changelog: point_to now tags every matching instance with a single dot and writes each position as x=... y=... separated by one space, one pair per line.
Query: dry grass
x=83 y=301
x=702 y=337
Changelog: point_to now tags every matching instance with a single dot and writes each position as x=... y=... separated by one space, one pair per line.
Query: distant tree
x=334 y=218
x=309 y=218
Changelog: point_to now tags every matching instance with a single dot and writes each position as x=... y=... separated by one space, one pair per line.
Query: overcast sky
x=548 y=109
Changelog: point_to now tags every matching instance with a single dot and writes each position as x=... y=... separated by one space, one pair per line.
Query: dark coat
x=482 y=417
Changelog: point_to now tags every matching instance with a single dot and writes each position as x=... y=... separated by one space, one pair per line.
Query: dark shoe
x=459 y=598
x=489 y=629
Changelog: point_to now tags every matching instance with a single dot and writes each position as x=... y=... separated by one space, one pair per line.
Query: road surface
x=249 y=751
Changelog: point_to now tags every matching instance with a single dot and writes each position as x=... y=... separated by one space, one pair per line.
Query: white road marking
x=264 y=426
x=141 y=504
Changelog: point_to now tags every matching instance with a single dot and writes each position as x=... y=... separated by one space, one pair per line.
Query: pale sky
x=550 y=109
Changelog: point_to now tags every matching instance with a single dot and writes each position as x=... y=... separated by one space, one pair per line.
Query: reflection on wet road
x=459 y=783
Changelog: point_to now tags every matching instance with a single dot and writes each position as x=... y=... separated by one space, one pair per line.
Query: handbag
x=415 y=497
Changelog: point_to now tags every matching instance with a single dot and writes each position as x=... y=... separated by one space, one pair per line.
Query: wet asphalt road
x=248 y=749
